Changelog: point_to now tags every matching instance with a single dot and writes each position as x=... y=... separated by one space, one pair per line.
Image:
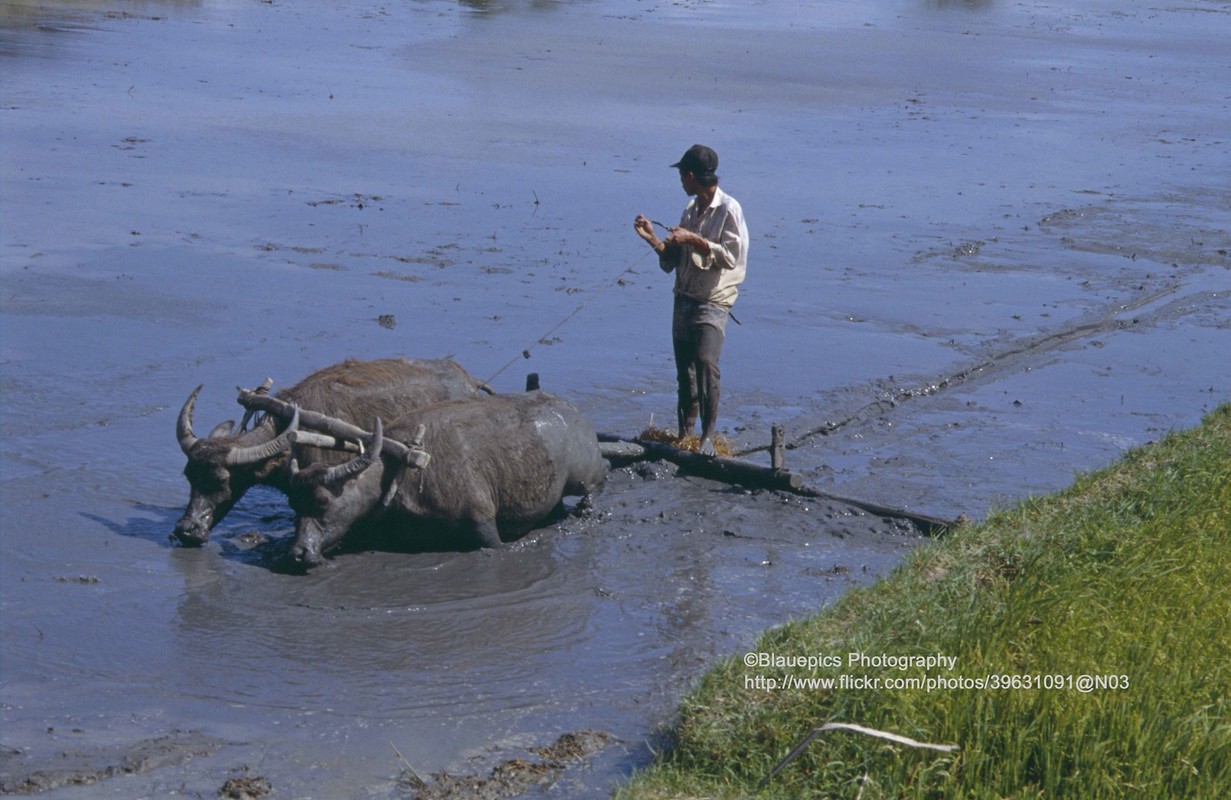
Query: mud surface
x=990 y=250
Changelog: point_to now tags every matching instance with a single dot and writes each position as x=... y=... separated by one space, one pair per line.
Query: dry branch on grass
x=849 y=726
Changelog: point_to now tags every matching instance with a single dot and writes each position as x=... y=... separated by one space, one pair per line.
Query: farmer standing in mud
x=708 y=252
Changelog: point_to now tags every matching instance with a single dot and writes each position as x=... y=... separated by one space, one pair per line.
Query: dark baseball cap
x=699 y=160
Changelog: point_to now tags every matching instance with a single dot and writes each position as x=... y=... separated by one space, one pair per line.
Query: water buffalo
x=224 y=465
x=475 y=469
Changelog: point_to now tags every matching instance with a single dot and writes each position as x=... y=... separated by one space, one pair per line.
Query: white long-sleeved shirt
x=714 y=278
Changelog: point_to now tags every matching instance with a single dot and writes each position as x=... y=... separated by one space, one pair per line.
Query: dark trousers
x=697 y=337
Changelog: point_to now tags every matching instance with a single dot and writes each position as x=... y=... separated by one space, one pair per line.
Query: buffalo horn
x=260 y=452
x=183 y=426
x=359 y=463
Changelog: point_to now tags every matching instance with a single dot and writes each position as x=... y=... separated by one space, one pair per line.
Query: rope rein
x=526 y=352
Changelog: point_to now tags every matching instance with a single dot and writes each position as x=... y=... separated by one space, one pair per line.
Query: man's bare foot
x=706 y=448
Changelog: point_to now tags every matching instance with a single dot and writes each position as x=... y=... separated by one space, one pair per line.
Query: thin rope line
x=526 y=352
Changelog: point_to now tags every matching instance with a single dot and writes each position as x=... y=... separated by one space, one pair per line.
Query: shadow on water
x=154 y=524
x=255 y=549
x=155 y=527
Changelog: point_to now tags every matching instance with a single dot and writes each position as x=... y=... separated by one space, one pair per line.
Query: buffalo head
x=328 y=500
x=221 y=467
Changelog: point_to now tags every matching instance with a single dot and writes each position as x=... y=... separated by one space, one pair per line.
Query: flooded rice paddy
x=990 y=250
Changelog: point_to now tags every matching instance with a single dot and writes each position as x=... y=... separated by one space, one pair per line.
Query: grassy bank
x=1127 y=574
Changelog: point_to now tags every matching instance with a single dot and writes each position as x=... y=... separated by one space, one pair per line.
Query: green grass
x=1126 y=573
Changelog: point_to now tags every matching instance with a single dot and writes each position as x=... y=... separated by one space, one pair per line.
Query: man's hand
x=645 y=229
x=682 y=236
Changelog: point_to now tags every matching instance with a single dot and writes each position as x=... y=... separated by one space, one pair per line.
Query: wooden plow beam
x=728 y=470
x=620 y=452
x=617 y=450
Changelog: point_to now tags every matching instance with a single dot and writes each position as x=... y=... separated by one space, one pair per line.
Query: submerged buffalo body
x=223 y=466
x=479 y=468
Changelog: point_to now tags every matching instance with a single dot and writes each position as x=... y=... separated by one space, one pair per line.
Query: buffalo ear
x=222 y=429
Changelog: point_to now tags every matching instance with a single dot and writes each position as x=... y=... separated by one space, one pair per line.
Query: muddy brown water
x=990 y=250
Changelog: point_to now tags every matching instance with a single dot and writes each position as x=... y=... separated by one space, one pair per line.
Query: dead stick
x=830 y=726
x=407 y=764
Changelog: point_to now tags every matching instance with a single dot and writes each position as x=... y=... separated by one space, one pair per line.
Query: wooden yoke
x=339 y=430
